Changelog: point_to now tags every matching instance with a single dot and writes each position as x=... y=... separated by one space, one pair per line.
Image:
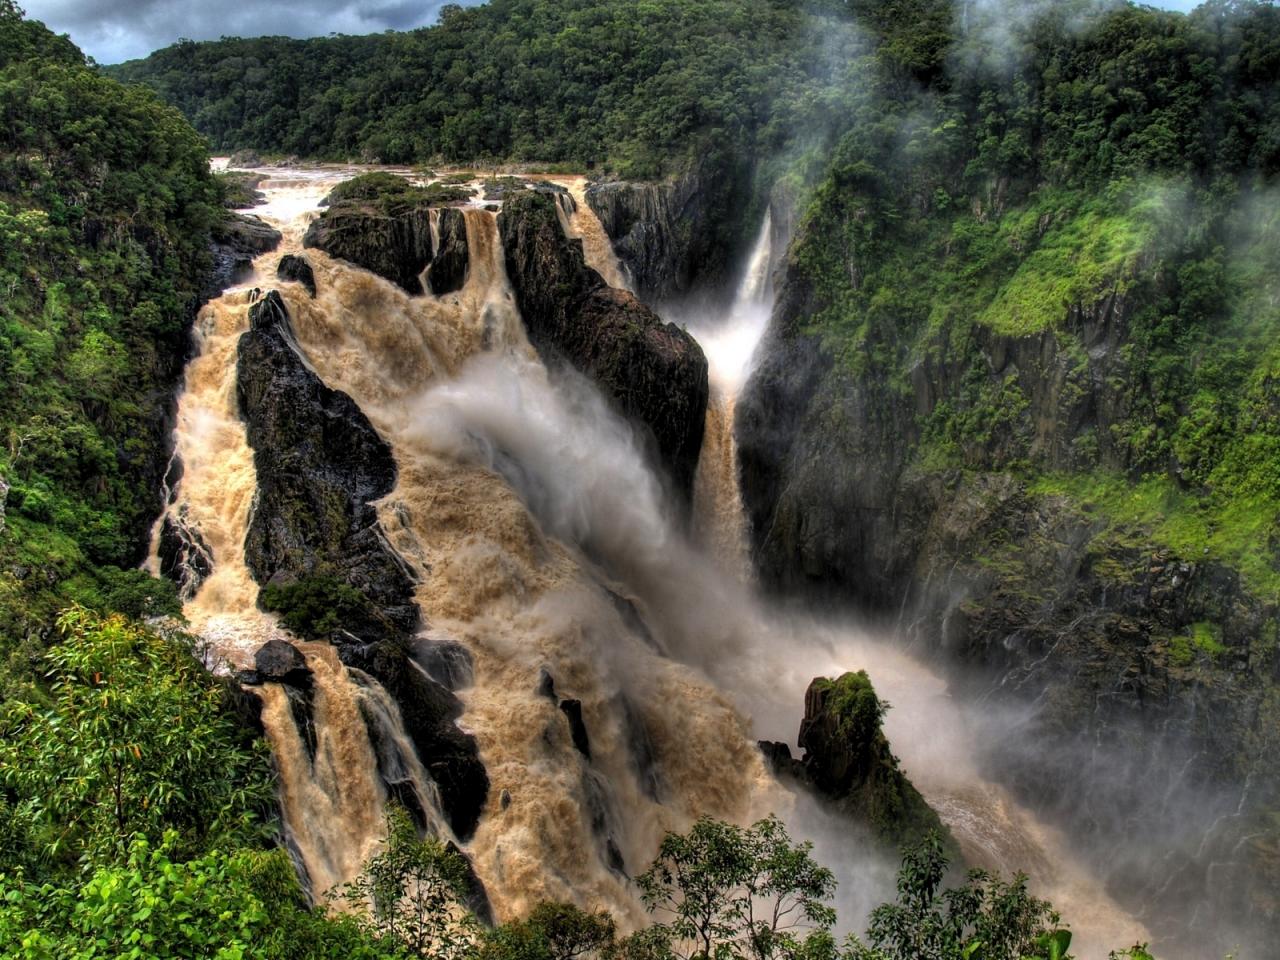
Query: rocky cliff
x=400 y=232
x=314 y=541
x=654 y=372
x=978 y=487
x=680 y=235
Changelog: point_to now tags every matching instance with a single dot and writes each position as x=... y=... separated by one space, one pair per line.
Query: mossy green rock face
x=654 y=372
x=1006 y=487
x=848 y=762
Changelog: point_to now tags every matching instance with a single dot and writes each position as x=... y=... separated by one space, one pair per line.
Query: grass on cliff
x=1234 y=530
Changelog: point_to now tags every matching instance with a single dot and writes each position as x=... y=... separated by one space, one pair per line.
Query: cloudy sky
x=116 y=30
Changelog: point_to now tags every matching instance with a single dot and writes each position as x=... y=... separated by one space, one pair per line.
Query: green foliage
x=642 y=88
x=135 y=741
x=106 y=201
x=983 y=919
x=317 y=606
x=729 y=892
x=552 y=931
x=149 y=905
x=412 y=893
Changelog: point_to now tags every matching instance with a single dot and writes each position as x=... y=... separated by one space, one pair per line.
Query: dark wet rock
x=679 y=235
x=395 y=247
x=572 y=709
x=382 y=223
x=237 y=240
x=476 y=898
x=297 y=269
x=320 y=464
x=185 y=557
x=278 y=661
x=644 y=754
x=446 y=662
x=654 y=372
x=546 y=684
x=603 y=819
x=302 y=709
x=447 y=272
x=429 y=711
x=504 y=799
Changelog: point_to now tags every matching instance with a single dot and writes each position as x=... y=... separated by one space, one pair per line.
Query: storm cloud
x=115 y=30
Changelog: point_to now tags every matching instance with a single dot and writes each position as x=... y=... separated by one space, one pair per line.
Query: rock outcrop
x=237 y=241
x=383 y=224
x=848 y=763
x=447 y=272
x=654 y=372
x=295 y=269
x=320 y=464
x=683 y=234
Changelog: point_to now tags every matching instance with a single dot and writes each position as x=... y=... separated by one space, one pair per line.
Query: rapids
x=542 y=541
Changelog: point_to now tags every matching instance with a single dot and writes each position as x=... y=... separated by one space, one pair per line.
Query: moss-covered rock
x=848 y=762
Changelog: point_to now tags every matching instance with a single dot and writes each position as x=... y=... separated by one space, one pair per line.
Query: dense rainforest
x=1018 y=398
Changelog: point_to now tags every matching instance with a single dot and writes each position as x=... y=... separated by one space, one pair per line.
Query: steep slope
x=1016 y=399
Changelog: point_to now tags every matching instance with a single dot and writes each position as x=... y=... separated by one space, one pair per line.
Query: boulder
x=297 y=270
x=654 y=372
x=237 y=240
x=278 y=661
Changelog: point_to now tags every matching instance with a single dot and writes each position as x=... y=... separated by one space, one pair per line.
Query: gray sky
x=116 y=30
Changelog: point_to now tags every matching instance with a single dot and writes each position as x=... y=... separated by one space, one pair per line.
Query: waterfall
x=730 y=341
x=541 y=542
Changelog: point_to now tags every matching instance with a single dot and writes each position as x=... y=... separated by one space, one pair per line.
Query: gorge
x=548 y=559
x=563 y=439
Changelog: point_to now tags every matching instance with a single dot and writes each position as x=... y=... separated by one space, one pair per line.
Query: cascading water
x=730 y=343
x=542 y=544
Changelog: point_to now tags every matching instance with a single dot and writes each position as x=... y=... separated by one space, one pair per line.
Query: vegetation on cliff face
x=1030 y=324
x=106 y=203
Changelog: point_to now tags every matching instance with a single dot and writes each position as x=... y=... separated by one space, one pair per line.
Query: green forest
x=962 y=178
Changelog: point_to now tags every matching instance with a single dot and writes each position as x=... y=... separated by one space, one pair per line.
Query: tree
x=414 y=893
x=983 y=919
x=135 y=742
x=731 y=892
x=553 y=931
